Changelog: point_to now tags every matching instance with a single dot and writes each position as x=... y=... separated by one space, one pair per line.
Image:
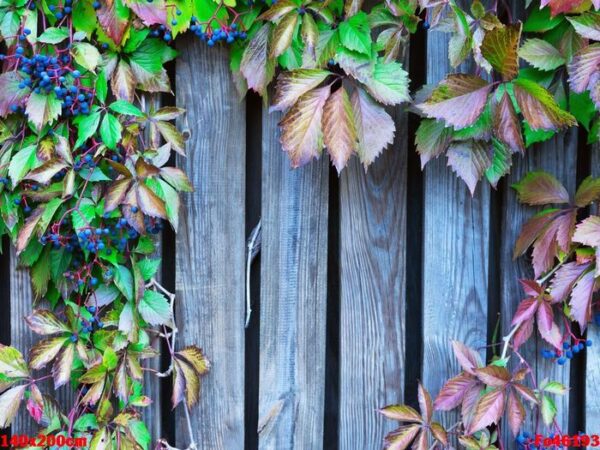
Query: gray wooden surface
x=559 y=158
x=372 y=246
x=455 y=255
x=592 y=368
x=293 y=299
x=210 y=242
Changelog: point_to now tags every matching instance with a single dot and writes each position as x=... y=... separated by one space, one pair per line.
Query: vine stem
x=153 y=283
x=507 y=339
x=252 y=250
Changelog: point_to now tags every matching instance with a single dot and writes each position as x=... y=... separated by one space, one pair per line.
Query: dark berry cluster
x=226 y=33
x=568 y=352
x=44 y=74
x=59 y=12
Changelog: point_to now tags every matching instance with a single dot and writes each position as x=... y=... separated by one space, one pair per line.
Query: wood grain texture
x=456 y=255
x=592 y=369
x=210 y=242
x=293 y=305
x=559 y=158
x=21 y=337
x=372 y=324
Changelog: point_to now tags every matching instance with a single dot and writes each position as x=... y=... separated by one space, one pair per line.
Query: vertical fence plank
x=592 y=369
x=372 y=245
x=559 y=158
x=210 y=243
x=455 y=254
x=21 y=337
x=293 y=298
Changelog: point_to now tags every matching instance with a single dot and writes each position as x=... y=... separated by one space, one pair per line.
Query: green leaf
x=582 y=107
x=355 y=33
x=125 y=107
x=548 y=409
x=541 y=54
x=101 y=86
x=539 y=108
x=87 y=126
x=140 y=433
x=124 y=281
x=110 y=359
x=43 y=109
x=54 y=35
x=388 y=83
x=148 y=267
x=21 y=163
x=40 y=275
x=110 y=131
x=12 y=363
x=84 y=16
x=154 y=308
x=539 y=20
x=86 y=55
x=500 y=49
x=501 y=163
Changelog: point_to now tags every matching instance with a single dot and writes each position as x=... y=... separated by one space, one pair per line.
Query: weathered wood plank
x=455 y=255
x=559 y=158
x=210 y=242
x=592 y=369
x=293 y=298
x=21 y=337
x=372 y=324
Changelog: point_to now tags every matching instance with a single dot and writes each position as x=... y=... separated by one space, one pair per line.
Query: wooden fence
x=361 y=283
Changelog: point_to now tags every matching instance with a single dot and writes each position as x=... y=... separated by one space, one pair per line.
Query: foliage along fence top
x=85 y=181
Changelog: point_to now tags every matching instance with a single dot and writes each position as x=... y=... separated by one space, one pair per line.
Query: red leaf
x=256 y=67
x=488 y=411
x=588 y=232
x=468 y=358
x=151 y=13
x=581 y=299
x=111 y=21
x=507 y=125
x=564 y=280
x=494 y=376
x=425 y=403
x=548 y=329
x=516 y=413
x=525 y=310
x=339 y=129
x=453 y=392
x=523 y=333
x=583 y=67
x=532 y=287
x=401 y=438
x=525 y=392
x=458 y=100
x=566 y=227
x=469 y=160
x=541 y=188
x=470 y=403
x=532 y=229
x=545 y=249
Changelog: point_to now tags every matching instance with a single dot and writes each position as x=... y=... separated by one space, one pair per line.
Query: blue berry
x=561 y=361
x=76 y=74
x=569 y=354
x=73 y=338
x=588 y=343
x=566 y=345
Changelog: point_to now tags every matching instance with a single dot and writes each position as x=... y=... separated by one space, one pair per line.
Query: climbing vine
x=86 y=180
